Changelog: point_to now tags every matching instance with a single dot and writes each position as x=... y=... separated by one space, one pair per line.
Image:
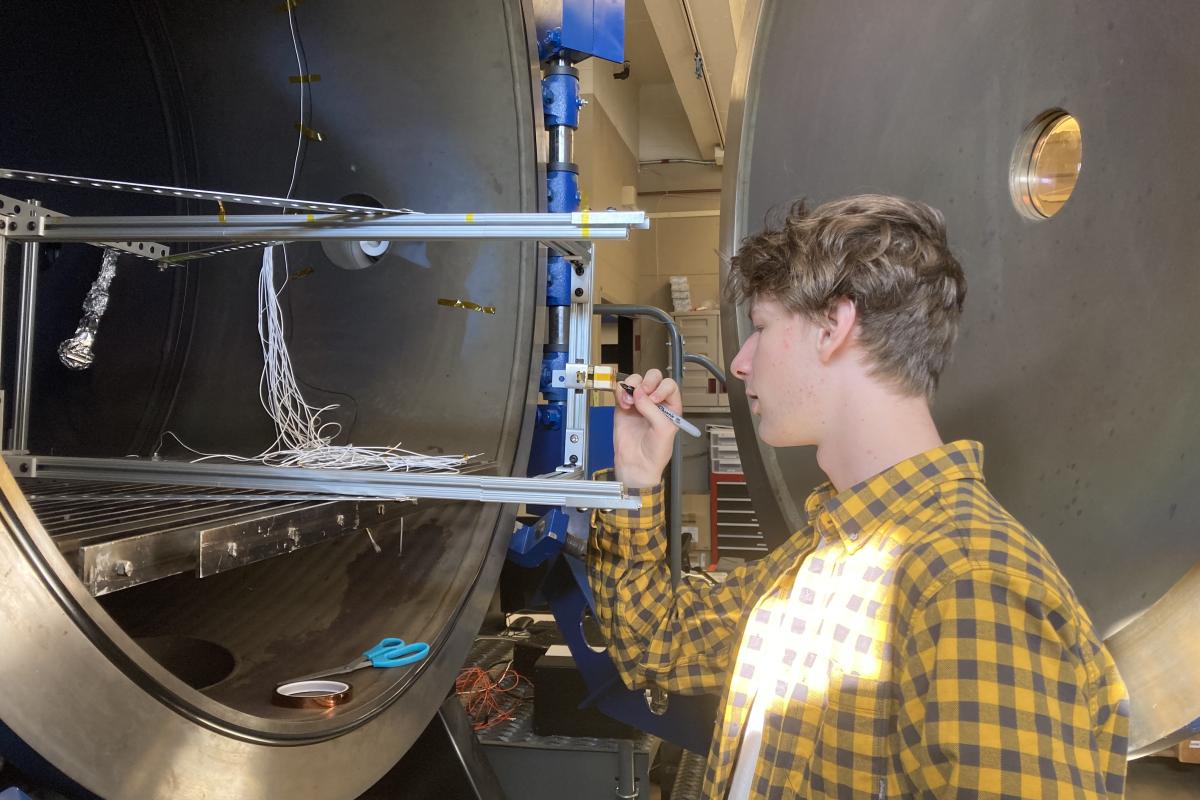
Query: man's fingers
x=664 y=391
x=624 y=398
x=651 y=381
x=653 y=414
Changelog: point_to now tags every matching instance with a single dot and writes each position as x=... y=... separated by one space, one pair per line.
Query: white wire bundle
x=302 y=439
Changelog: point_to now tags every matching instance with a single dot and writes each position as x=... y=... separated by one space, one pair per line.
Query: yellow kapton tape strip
x=465 y=304
x=308 y=132
x=312 y=77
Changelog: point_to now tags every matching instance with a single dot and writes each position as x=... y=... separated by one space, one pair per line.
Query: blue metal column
x=561 y=103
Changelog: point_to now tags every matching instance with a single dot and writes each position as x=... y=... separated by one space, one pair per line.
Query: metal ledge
x=333 y=483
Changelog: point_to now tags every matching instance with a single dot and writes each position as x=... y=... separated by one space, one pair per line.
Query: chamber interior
x=208 y=96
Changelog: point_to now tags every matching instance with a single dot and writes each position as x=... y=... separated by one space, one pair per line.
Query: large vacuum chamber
x=1076 y=365
x=160 y=685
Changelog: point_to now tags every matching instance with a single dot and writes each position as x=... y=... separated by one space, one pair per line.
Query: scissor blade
x=354 y=665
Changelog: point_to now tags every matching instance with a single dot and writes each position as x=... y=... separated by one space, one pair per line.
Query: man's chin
x=775 y=438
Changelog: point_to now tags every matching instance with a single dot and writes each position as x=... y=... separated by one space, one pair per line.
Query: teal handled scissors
x=391 y=652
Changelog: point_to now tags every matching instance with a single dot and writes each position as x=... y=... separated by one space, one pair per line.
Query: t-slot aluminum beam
x=357 y=483
x=566 y=232
x=24 y=217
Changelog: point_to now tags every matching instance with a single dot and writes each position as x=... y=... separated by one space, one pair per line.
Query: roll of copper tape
x=312 y=694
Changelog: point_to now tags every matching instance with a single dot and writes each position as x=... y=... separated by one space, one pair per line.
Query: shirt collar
x=854 y=513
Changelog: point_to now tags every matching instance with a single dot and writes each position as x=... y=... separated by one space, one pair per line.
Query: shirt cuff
x=650 y=518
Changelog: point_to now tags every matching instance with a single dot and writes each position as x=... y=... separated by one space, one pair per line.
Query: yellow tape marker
x=312 y=217
x=220 y=212
x=466 y=304
x=470 y=217
x=308 y=132
x=583 y=218
x=312 y=77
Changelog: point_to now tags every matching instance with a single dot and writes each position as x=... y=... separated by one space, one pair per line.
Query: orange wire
x=491 y=699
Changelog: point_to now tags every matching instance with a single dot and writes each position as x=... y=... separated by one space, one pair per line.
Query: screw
x=31 y=225
x=579 y=269
x=574 y=438
x=574 y=459
x=579 y=292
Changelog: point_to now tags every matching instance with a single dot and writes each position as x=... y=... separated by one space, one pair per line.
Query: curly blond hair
x=888 y=255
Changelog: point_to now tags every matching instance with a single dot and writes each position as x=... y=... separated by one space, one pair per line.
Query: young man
x=913 y=640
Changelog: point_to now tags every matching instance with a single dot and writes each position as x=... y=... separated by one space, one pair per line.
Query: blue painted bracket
x=687 y=721
x=581 y=28
x=532 y=545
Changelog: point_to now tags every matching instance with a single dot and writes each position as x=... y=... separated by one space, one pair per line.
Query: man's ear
x=837 y=329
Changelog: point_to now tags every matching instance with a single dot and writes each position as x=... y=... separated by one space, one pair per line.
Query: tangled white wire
x=302 y=439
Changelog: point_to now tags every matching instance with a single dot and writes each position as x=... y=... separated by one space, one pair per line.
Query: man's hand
x=642 y=435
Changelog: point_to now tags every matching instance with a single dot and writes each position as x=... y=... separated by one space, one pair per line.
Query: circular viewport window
x=1046 y=164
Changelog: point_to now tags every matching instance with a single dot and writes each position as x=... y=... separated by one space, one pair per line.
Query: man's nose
x=741 y=362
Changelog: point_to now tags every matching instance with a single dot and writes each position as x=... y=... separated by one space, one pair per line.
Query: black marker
x=676 y=420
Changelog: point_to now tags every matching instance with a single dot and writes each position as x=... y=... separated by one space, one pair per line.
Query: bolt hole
x=24 y=467
x=16 y=209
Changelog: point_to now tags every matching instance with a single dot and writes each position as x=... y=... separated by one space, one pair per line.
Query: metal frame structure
x=332 y=484
x=569 y=234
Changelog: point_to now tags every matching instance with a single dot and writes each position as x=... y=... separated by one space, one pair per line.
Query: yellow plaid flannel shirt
x=935 y=649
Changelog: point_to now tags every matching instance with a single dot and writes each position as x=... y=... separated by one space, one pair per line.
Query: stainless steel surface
x=204 y=101
x=1083 y=413
x=558 y=325
x=26 y=319
x=116 y=540
x=562 y=145
x=1157 y=655
x=353 y=483
x=675 y=510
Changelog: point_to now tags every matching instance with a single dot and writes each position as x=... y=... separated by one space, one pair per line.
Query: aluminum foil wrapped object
x=77 y=352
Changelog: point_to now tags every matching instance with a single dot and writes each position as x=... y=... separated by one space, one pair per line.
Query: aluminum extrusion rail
x=360 y=483
x=563 y=231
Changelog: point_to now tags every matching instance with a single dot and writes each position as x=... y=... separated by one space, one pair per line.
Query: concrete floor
x=1162 y=779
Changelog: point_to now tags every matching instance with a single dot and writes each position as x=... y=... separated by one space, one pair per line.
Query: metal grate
x=119 y=535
